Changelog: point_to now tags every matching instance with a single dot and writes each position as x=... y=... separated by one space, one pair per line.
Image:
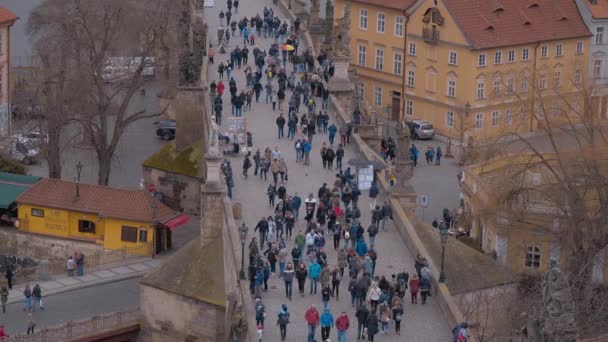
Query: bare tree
x=108 y=46
x=556 y=183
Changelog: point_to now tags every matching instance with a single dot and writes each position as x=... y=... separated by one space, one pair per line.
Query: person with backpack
x=283 y=320
x=373 y=194
x=326 y=295
x=260 y=312
x=372 y=230
x=460 y=332
x=397 y=308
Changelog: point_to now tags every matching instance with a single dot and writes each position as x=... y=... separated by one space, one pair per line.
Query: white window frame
x=379 y=60
x=453 y=58
x=533 y=257
x=381 y=22
x=449 y=119
x=479 y=120
x=525 y=54
x=397 y=63
x=378 y=96
x=578 y=76
x=411 y=49
x=557 y=78
x=481 y=60
x=559 y=50
x=411 y=77
x=497 y=87
x=409 y=107
x=363 y=19
x=480 y=90
x=511 y=56
x=599 y=35
x=362 y=55
x=498 y=57
x=451 y=91
x=525 y=83
x=598 y=65
x=579 y=47
x=542 y=80
x=544 y=51
x=555 y=108
x=399 y=26
x=495 y=118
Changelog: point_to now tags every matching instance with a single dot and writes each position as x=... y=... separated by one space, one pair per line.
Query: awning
x=177 y=221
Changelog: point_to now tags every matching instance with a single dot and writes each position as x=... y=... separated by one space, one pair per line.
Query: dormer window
x=433 y=16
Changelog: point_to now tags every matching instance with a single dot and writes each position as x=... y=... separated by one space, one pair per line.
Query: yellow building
x=514 y=211
x=475 y=68
x=114 y=218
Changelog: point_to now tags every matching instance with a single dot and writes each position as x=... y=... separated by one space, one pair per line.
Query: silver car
x=421 y=129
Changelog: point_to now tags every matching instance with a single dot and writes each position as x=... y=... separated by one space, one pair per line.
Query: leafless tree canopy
x=95 y=53
x=556 y=182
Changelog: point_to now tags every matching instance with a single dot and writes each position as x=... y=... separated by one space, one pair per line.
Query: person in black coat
x=372 y=326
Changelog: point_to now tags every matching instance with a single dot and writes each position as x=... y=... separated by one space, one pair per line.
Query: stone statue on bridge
x=342 y=34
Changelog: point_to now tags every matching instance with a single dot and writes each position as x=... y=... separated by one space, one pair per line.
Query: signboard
x=365 y=177
x=236 y=129
x=424 y=201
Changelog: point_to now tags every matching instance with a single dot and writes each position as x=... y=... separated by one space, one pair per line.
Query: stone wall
x=42 y=247
x=160 y=309
x=180 y=192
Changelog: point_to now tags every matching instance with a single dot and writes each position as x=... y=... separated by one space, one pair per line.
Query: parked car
x=166 y=129
x=421 y=129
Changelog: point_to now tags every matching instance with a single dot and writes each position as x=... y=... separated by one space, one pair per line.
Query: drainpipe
x=533 y=87
x=403 y=68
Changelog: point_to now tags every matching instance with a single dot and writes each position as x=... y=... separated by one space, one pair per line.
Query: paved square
x=121 y=270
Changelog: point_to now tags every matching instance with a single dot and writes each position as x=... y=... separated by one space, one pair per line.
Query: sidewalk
x=110 y=273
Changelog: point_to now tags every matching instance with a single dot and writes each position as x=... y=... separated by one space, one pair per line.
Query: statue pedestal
x=341 y=87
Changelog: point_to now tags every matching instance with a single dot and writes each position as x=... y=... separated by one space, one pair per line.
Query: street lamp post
x=243 y=236
x=78 y=172
x=444 y=234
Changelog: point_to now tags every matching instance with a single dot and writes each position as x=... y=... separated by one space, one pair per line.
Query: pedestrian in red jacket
x=312 y=318
x=414 y=286
x=342 y=324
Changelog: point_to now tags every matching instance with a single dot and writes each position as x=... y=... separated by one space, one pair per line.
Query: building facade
x=473 y=68
x=522 y=234
x=113 y=218
x=595 y=15
x=7 y=19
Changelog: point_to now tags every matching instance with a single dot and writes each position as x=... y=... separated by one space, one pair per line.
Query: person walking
x=342 y=325
x=385 y=316
x=373 y=295
x=312 y=318
x=327 y=322
x=425 y=289
x=27 y=293
x=373 y=194
x=387 y=213
x=70 y=266
x=260 y=312
x=31 y=324
x=397 y=308
x=362 y=314
x=335 y=283
x=246 y=166
x=4 y=298
x=438 y=156
x=280 y=121
x=414 y=286
x=314 y=273
x=9 y=277
x=37 y=297
x=372 y=326
x=288 y=274
x=326 y=296
x=283 y=320
x=301 y=274
x=80 y=263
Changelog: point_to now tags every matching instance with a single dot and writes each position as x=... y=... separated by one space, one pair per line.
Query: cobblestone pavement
x=421 y=323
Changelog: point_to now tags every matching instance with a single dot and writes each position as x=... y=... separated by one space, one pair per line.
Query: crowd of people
x=292 y=249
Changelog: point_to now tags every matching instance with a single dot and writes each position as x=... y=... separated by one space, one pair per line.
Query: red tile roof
x=6 y=15
x=401 y=5
x=129 y=205
x=498 y=23
x=599 y=10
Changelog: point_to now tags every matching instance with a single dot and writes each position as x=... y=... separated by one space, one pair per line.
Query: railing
x=430 y=35
x=82 y=328
x=58 y=266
